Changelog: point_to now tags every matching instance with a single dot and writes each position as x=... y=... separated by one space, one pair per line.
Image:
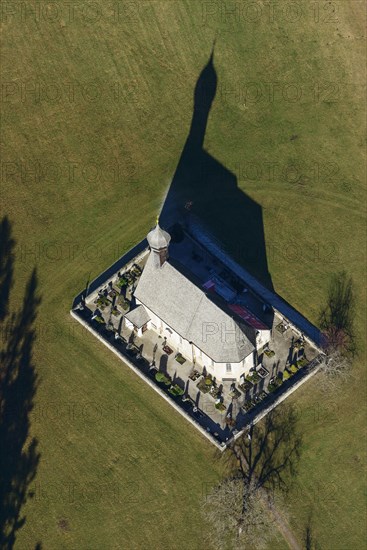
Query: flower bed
x=176 y=390
x=102 y=302
x=123 y=303
x=269 y=353
x=246 y=386
x=263 y=372
x=260 y=397
x=220 y=407
x=254 y=378
x=234 y=393
x=281 y=328
x=214 y=392
x=205 y=384
x=99 y=319
x=180 y=359
x=248 y=405
x=274 y=384
x=136 y=270
x=163 y=379
x=194 y=375
x=121 y=282
x=292 y=369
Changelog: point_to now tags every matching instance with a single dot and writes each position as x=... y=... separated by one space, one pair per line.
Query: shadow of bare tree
x=267 y=457
x=308 y=535
x=241 y=508
x=19 y=456
x=336 y=318
x=309 y=538
x=6 y=265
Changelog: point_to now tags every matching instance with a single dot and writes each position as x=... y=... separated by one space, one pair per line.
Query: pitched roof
x=138 y=316
x=191 y=313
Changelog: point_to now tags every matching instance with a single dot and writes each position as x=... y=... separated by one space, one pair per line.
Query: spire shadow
x=204 y=188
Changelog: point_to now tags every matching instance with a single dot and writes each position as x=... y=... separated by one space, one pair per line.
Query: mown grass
x=144 y=66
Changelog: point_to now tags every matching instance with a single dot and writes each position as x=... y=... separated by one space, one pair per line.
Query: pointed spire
x=158 y=240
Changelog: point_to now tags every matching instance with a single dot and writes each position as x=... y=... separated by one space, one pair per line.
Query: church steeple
x=158 y=240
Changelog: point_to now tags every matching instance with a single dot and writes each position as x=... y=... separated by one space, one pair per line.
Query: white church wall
x=173 y=339
x=263 y=338
x=186 y=349
x=197 y=356
x=233 y=371
x=128 y=324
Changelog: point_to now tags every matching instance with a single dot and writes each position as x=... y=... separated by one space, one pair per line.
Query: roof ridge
x=185 y=306
x=195 y=312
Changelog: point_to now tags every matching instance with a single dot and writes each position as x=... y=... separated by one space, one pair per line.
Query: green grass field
x=102 y=104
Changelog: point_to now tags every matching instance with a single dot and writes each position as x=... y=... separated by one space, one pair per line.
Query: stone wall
x=311 y=370
x=93 y=295
x=149 y=382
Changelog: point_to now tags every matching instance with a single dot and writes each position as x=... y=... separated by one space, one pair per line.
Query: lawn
x=96 y=110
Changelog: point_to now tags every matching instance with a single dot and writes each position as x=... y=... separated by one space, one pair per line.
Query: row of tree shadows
x=19 y=454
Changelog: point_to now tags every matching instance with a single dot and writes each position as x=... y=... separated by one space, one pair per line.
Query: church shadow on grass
x=19 y=456
x=204 y=188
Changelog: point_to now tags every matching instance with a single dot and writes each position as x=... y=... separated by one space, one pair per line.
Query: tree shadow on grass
x=310 y=543
x=204 y=188
x=268 y=455
x=336 y=318
x=6 y=266
x=19 y=456
x=260 y=462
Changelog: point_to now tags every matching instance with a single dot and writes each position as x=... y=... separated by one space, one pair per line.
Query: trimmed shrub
x=160 y=377
x=121 y=282
x=176 y=390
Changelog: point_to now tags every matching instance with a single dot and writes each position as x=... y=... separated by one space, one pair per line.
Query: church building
x=196 y=322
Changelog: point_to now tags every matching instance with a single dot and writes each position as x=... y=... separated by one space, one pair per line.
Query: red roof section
x=247 y=316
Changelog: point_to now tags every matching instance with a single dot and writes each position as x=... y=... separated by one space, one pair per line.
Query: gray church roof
x=186 y=309
x=158 y=238
x=138 y=316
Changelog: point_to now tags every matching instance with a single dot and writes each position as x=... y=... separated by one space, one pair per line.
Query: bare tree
x=237 y=514
x=258 y=463
x=334 y=369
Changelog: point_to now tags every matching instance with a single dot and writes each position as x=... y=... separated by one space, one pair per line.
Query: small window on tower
x=228 y=367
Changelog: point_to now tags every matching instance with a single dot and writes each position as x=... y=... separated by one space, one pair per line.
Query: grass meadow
x=96 y=107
